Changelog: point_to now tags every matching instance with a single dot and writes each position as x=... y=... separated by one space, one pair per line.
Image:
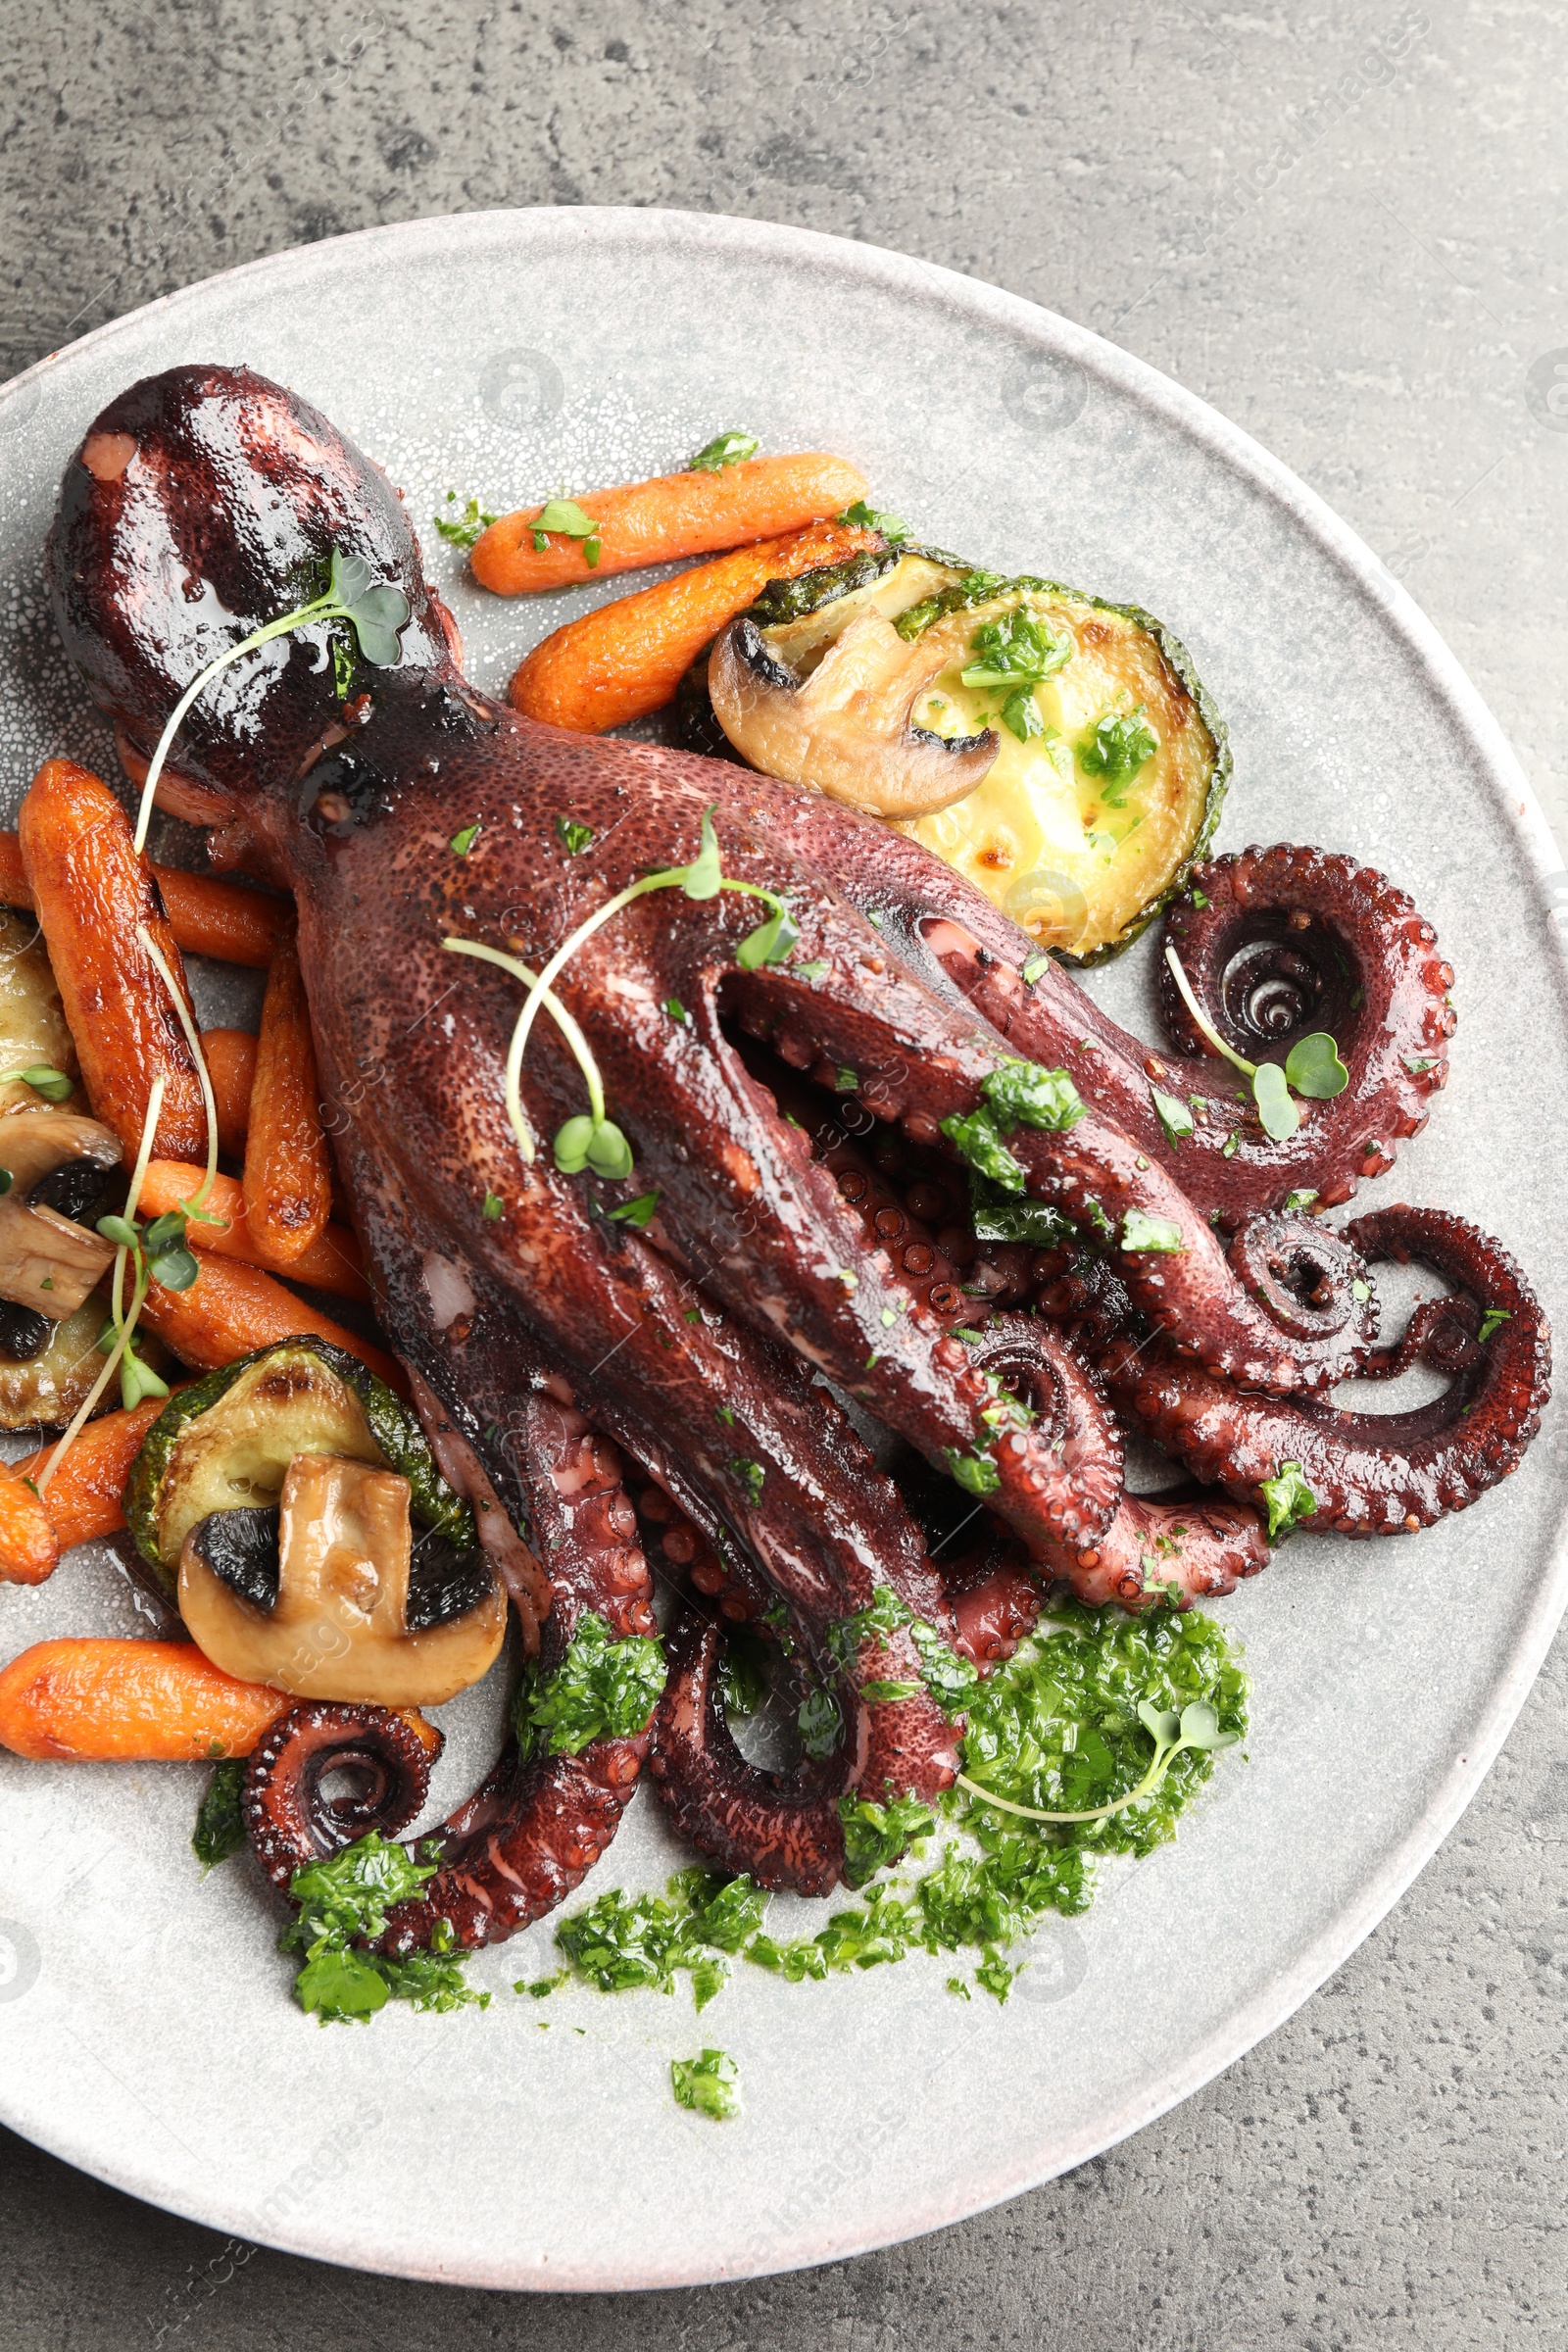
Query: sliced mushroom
x=55 y=1167
x=338 y=1626
x=845 y=728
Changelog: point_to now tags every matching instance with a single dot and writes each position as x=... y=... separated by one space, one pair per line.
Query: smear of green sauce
x=1056 y=1727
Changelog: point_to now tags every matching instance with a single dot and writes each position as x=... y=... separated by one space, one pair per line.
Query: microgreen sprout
x=1312 y=1067
x=1197 y=1727
x=595 y=1142
x=53 y=1085
x=725 y=449
x=375 y=609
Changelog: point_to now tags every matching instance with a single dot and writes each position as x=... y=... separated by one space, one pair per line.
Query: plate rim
x=1451 y=689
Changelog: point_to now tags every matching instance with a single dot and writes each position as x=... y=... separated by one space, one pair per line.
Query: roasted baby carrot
x=104 y=1699
x=207 y=918
x=83 y=1496
x=288 y=1167
x=30 y=1547
x=661 y=520
x=93 y=896
x=331 y=1262
x=231 y=1308
x=230 y=1056
x=626 y=658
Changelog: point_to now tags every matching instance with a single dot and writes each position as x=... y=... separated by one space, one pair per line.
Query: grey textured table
x=1346 y=230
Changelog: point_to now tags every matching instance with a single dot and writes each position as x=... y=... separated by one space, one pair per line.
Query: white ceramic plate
x=145 y=2029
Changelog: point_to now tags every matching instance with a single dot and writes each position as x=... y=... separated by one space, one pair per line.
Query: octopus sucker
x=662 y=1367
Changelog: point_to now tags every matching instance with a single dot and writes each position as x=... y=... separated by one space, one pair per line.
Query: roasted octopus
x=693 y=1395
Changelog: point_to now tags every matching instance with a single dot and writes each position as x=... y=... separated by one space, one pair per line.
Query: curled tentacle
x=995 y=1600
x=291 y=1815
x=1375 y=1473
x=782 y=1829
x=538 y=1822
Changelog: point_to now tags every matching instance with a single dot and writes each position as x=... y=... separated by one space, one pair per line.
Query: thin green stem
x=1248 y=1069
x=125 y=1326
x=576 y=1043
x=323 y=608
x=1151 y=1781
x=176 y=997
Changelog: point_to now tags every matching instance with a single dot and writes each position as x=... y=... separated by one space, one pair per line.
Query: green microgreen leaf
x=808 y=972
x=1145 y=1235
x=1287 y=1499
x=53 y=1085
x=609 y=1155
x=638 y=1213
x=1313 y=1067
x=704 y=878
x=1272 y=1095
x=770 y=943
x=462 y=842
x=176 y=1269
x=725 y=449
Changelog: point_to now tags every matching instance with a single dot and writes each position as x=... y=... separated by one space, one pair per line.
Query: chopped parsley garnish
x=950 y=1680
x=566 y=520
x=492 y=1208
x=1115 y=748
x=1175 y=1118
x=677 y=1009
x=1298 y=1202
x=999 y=1216
x=1018 y=1093
x=219 y=1825
x=877 y=1835
x=601 y=1689
x=461 y=843
x=976 y=1473
x=574 y=837
x=1118 y=1718
x=1493 y=1320
x=862 y=517
x=706 y=2084
x=1287 y=1500
x=344 y=1899
x=1145 y=1234
x=725 y=449
x=751 y=1476
x=743 y=1672
x=1035 y=969
x=1016 y=654
x=819 y=1723
x=465 y=529
x=808 y=972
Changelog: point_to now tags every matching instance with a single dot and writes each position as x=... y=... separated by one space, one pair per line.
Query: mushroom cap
x=845 y=729
x=338 y=1628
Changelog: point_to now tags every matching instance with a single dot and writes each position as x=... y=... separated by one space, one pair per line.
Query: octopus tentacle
x=1374 y=1473
x=1158 y=1552
x=289 y=1814
x=1326 y=944
x=783 y=1830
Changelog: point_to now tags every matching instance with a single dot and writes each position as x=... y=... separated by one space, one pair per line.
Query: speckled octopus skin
x=207 y=501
